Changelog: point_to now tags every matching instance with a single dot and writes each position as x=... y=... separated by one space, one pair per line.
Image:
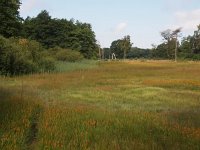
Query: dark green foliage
x=44 y=29
x=21 y=56
x=107 y=53
x=61 y=33
x=169 y=48
x=67 y=55
x=14 y=59
x=86 y=37
x=190 y=46
x=196 y=57
x=192 y=57
x=116 y=48
x=121 y=47
x=165 y=50
x=196 y=41
x=46 y=64
x=186 y=45
x=10 y=21
x=139 y=53
x=160 y=51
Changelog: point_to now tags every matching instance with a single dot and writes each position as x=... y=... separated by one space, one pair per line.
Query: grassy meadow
x=103 y=105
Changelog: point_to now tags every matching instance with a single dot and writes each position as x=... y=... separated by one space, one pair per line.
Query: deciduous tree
x=121 y=47
x=10 y=21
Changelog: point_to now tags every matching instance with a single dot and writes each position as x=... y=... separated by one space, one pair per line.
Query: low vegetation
x=66 y=55
x=112 y=105
x=22 y=56
x=51 y=97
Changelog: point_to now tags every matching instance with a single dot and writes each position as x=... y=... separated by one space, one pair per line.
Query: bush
x=68 y=55
x=47 y=64
x=196 y=57
x=193 y=56
x=21 y=56
x=16 y=63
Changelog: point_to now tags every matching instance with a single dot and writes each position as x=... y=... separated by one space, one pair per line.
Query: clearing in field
x=107 y=105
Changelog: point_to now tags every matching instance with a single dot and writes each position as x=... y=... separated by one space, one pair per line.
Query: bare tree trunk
x=168 y=48
x=124 y=54
x=103 y=54
x=176 y=50
x=99 y=53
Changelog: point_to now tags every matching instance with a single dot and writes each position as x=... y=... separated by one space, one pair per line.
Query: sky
x=143 y=20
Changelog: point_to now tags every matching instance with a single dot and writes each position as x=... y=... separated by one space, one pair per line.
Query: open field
x=110 y=105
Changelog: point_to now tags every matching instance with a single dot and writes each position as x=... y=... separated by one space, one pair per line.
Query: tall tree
x=86 y=39
x=9 y=16
x=196 y=41
x=39 y=28
x=160 y=51
x=107 y=53
x=175 y=35
x=121 y=47
x=166 y=34
x=126 y=45
x=170 y=42
x=186 y=45
x=62 y=33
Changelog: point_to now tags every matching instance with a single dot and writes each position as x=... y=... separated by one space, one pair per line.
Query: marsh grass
x=72 y=66
x=111 y=105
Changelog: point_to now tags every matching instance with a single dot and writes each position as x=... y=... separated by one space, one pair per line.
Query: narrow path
x=32 y=134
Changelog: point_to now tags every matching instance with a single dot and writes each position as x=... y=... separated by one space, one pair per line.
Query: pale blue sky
x=143 y=20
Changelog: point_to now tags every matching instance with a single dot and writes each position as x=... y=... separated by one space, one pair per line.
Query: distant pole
x=103 y=54
x=99 y=50
x=124 y=52
x=176 y=49
x=99 y=53
x=175 y=35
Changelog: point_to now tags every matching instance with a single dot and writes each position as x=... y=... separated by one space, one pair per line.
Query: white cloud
x=120 y=27
x=178 y=4
x=187 y=20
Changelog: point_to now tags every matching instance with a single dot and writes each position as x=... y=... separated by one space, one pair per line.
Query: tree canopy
x=121 y=47
x=9 y=16
x=52 y=32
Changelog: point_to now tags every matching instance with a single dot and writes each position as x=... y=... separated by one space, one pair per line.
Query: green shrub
x=21 y=56
x=196 y=57
x=16 y=63
x=47 y=64
x=68 y=55
x=14 y=59
x=193 y=56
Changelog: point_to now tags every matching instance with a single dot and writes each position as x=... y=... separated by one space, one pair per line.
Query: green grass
x=111 y=105
x=72 y=66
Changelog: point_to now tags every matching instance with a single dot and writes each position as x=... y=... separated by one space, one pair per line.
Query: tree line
x=50 y=32
x=53 y=32
x=171 y=48
x=35 y=43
